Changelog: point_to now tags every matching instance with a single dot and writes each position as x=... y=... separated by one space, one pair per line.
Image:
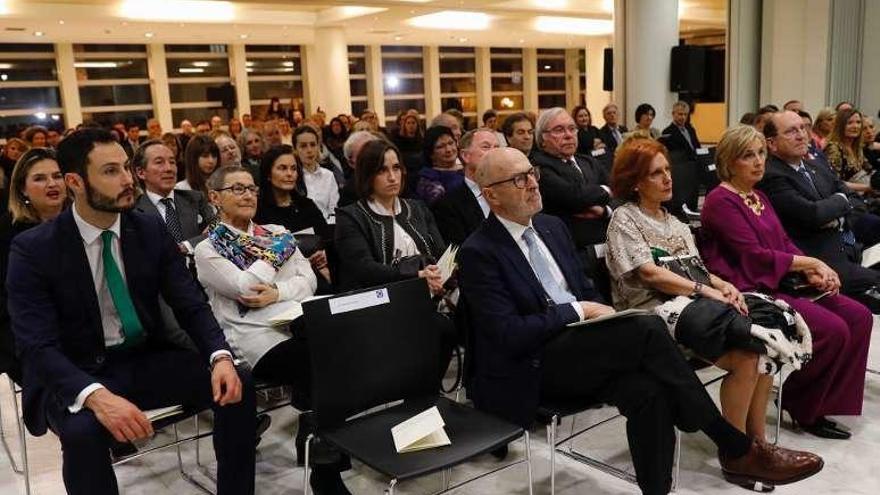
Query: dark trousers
x=633 y=364
x=153 y=379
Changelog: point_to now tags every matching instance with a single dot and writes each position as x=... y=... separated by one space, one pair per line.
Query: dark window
x=92 y=96
x=285 y=90
x=401 y=66
x=27 y=47
x=457 y=65
x=29 y=98
x=123 y=69
x=209 y=67
x=403 y=86
x=107 y=119
x=28 y=70
x=550 y=101
x=458 y=85
x=109 y=48
x=392 y=107
x=195 y=48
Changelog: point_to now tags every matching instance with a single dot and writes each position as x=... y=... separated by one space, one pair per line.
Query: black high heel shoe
x=825 y=428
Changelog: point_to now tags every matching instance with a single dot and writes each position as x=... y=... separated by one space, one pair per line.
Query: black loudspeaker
x=687 y=69
x=608 y=70
x=224 y=94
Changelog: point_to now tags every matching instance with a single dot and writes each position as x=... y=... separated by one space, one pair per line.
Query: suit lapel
x=186 y=211
x=144 y=205
x=76 y=268
x=511 y=251
x=800 y=180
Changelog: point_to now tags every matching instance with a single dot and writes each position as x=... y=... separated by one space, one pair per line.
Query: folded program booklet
x=420 y=432
x=163 y=412
x=626 y=313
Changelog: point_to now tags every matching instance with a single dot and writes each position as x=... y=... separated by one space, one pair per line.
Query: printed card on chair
x=163 y=412
x=420 y=432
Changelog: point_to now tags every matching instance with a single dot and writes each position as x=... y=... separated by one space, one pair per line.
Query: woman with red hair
x=655 y=265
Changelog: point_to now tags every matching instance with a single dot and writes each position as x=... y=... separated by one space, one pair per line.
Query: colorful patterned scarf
x=245 y=249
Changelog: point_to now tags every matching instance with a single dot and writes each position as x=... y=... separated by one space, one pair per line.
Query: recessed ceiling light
x=190 y=70
x=178 y=10
x=61 y=22
x=201 y=64
x=547 y=67
x=462 y=40
x=5 y=66
x=249 y=64
x=96 y=65
x=467 y=21
x=398 y=38
x=38 y=33
x=149 y=34
x=243 y=36
x=522 y=41
x=573 y=25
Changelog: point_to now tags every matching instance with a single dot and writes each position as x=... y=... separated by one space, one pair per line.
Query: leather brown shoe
x=770 y=465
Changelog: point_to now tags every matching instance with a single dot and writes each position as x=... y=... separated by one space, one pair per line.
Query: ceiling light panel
x=573 y=25
x=178 y=10
x=452 y=19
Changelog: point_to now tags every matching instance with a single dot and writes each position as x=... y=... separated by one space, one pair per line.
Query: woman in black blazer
x=384 y=237
x=588 y=134
x=36 y=194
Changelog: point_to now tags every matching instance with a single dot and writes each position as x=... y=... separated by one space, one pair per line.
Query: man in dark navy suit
x=83 y=299
x=523 y=284
x=680 y=135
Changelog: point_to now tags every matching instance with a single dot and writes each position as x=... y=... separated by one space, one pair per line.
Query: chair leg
x=551 y=440
x=528 y=444
x=444 y=479
x=676 y=468
x=22 y=438
x=779 y=413
x=306 y=465
x=390 y=489
x=204 y=469
x=183 y=474
x=15 y=465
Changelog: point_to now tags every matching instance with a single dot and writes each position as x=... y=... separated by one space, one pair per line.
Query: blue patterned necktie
x=806 y=174
x=541 y=266
x=172 y=220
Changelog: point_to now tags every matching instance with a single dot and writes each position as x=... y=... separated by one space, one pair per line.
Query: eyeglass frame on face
x=239 y=189
x=522 y=177
x=560 y=130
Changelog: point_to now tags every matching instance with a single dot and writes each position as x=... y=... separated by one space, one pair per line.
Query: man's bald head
x=497 y=164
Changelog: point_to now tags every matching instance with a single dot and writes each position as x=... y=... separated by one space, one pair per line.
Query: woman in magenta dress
x=744 y=243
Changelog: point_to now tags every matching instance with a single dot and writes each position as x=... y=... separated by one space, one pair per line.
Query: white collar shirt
x=475 y=189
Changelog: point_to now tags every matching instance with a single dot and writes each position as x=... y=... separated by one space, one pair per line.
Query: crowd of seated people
x=274 y=209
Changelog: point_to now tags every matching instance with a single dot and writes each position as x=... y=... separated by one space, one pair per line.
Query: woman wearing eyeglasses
x=253 y=276
x=36 y=194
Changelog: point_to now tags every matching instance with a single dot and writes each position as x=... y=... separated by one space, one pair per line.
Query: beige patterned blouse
x=631 y=235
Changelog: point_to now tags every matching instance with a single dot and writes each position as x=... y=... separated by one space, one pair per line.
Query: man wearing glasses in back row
x=575 y=189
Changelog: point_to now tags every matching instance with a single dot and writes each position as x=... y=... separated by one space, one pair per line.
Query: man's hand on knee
x=121 y=418
x=225 y=382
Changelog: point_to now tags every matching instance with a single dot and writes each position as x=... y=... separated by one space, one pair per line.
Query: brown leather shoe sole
x=746 y=481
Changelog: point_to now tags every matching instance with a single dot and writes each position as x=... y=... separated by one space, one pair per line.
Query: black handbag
x=690 y=267
x=795 y=284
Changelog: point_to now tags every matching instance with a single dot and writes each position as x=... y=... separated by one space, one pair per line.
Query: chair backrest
x=686 y=178
x=370 y=347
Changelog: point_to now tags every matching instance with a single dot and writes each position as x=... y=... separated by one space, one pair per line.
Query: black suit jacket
x=674 y=140
x=608 y=138
x=54 y=307
x=512 y=317
x=457 y=215
x=567 y=192
x=811 y=217
x=194 y=211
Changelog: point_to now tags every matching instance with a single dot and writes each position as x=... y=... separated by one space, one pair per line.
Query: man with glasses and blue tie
x=84 y=304
x=575 y=189
x=823 y=217
x=522 y=283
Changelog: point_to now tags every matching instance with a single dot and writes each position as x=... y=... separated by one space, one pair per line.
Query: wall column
x=239 y=76
x=326 y=64
x=375 y=82
x=597 y=97
x=743 y=58
x=651 y=30
x=530 y=79
x=572 y=78
x=484 y=79
x=431 y=71
x=69 y=87
x=158 y=74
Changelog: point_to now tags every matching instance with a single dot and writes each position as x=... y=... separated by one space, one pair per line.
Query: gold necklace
x=752 y=200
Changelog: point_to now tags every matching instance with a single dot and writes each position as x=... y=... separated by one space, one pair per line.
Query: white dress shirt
x=183 y=186
x=475 y=188
x=516 y=230
x=157 y=202
x=323 y=190
x=110 y=321
x=251 y=334
x=404 y=245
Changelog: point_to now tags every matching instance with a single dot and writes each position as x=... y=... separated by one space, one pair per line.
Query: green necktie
x=132 y=330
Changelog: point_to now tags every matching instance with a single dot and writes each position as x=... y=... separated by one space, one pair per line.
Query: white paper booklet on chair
x=163 y=412
x=446 y=263
x=420 y=432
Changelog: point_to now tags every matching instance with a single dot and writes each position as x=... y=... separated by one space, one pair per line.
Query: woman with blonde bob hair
x=745 y=244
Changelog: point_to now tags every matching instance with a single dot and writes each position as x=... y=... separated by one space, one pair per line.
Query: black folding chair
x=377 y=346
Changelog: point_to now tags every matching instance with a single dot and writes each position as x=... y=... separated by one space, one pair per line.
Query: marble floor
x=851 y=467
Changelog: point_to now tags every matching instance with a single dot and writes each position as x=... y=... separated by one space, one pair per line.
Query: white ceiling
x=295 y=22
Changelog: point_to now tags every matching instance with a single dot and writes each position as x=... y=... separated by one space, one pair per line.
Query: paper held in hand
x=871 y=256
x=626 y=313
x=420 y=432
x=447 y=263
x=163 y=412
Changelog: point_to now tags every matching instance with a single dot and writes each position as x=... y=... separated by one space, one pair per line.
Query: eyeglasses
x=239 y=189
x=520 y=180
x=562 y=130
